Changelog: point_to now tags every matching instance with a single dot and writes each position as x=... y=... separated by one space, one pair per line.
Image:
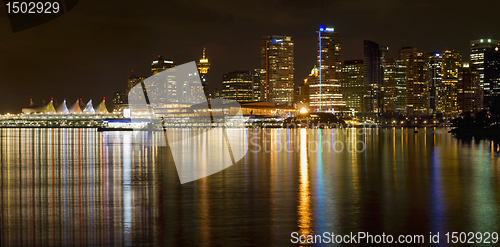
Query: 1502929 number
x=472 y=237
x=33 y=7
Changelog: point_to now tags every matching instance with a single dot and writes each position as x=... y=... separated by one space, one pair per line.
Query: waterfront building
x=393 y=91
x=238 y=85
x=477 y=63
x=434 y=78
x=353 y=85
x=416 y=85
x=325 y=93
x=491 y=74
x=448 y=89
x=277 y=69
x=468 y=93
x=373 y=57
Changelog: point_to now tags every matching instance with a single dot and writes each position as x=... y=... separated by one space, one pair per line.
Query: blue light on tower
x=322 y=28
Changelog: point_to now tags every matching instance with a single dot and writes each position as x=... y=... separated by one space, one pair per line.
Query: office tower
x=451 y=64
x=277 y=63
x=477 y=49
x=416 y=86
x=238 y=85
x=373 y=57
x=491 y=74
x=434 y=78
x=203 y=67
x=133 y=80
x=256 y=85
x=468 y=93
x=325 y=94
x=161 y=64
x=394 y=87
x=353 y=84
x=119 y=98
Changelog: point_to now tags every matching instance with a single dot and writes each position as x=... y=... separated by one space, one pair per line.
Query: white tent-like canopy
x=89 y=108
x=62 y=108
x=48 y=108
x=102 y=107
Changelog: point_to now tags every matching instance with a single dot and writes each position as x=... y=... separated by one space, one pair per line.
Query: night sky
x=89 y=51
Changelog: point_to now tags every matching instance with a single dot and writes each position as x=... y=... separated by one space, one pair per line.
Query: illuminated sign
x=277 y=40
x=329 y=29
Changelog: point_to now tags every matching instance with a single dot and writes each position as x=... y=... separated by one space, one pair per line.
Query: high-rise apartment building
x=203 y=67
x=434 y=78
x=373 y=57
x=448 y=89
x=353 y=84
x=238 y=85
x=325 y=94
x=477 y=49
x=416 y=85
x=277 y=65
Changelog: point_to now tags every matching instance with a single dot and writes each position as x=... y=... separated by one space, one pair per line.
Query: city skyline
x=98 y=44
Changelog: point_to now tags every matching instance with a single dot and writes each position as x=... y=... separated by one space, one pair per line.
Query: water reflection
x=304 y=208
x=81 y=187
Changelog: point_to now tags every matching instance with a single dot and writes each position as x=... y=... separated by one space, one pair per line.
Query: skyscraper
x=394 y=89
x=203 y=67
x=374 y=75
x=277 y=64
x=448 y=90
x=416 y=86
x=492 y=74
x=477 y=49
x=238 y=85
x=161 y=64
x=325 y=94
x=434 y=78
x=353 y=84
x=469 y=95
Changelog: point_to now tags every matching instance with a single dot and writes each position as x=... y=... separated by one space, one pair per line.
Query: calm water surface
x=66 y=187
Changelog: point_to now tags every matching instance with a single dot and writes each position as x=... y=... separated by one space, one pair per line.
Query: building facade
x=416 y=85
x=238 y=85
x=477 y=50
x=373 y=57
x=325 y=93
x=448 y=89
x=353 y=84
x=434 y=78
x=277 y=65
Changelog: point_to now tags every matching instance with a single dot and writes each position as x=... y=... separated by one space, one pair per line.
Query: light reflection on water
x=78 y=187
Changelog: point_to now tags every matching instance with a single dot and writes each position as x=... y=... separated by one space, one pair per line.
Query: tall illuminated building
x=238 y=85
x=434 y=78
x=161 y=64
x=256 y=85
x=468 y=93
x=394 y=86
x=326 y=95
x=373 y=57
x=416 y=85
x=203 y=67
x=477 y=49
x=492 y=74
x=277 y=65
x=353 y=84
x=448 y=89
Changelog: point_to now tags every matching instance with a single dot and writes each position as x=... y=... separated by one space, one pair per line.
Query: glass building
x=353 y=84
x=238 y=85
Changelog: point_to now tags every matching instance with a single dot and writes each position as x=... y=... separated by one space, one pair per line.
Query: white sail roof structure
x=62 y=108
x=102 y=107
x=89 y=108
x=48 y=108
x=76 y=107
